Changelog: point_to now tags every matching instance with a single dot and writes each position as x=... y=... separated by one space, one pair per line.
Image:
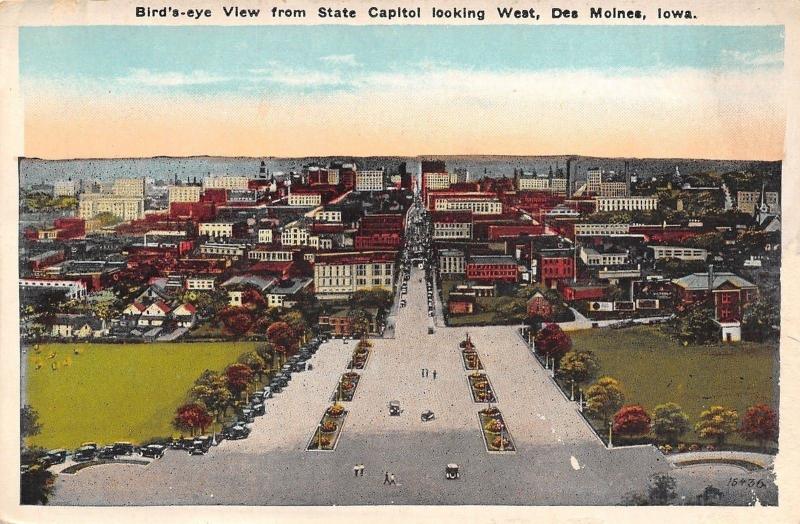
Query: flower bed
x=346 y=388
x=471 y=360
x=496 y=436
x=359 y=359
x=481 y=388
x=326 y=435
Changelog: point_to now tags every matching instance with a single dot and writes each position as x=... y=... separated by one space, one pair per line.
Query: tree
x=717 y=423
x=579 y=366
x=36 y=485
x=551 y=341
x=758 y=319
x=631 y=421
x=282 y=337
x=296 y=322
x=604 y=398
x=252 y=360
x=29 y=425
x=238 y=377
x=191 y=417
x=661 y=490
x=212 y=390
x=669 y=422
x=361 y=323
x=711 y=495
x=372 y=298
x=697 y=326
x=760 y=423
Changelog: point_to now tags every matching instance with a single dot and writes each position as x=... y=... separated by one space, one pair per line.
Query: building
x=271 y=255
x=329 y=215
x=600 y=229
x=305 y=199
x=129 y=187
x=341 y=322
x=490 y=268
x=679 y=252
x=265 y=236
x=71 y=289
x=582 y=290
x=748 y=201
x=155 y=314
x=452 y=225
x=370 y=180
x=534 y=183
x=65 y=188
x=224 y=250
x=184 y=193
x=451 y=262
x=460 y=304
x=200 y=283
x=591 y=257
x=223 y=229
x=284 y=293
x=594 y=177
x=225 y=182
x=633 y=203
x=729 y=292
x=478 y=202
x=339 y=274
x=77 y=326
x=296 y=234
x=125 y=208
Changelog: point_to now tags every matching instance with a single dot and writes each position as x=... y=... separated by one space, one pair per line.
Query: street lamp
x=610 y=430
x=572 y=390
x=319 y=436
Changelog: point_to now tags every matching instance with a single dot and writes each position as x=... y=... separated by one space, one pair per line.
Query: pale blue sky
x=232 y=60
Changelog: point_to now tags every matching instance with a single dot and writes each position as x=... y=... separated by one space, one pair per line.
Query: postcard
x=432 y=261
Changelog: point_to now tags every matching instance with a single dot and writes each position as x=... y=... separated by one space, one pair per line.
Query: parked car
x=205 y=442
x=152 y=451
x=197 y=448
x=123 y=448
x=84 y=453
x=276 y=386
x=246 y=414
x=258 y=409
x=92 y=445
x=394 y=408
x=236 y=432
x=258 y=396
x=285 y=376
x=267 y=392
x=55 y=456
x=106 y=452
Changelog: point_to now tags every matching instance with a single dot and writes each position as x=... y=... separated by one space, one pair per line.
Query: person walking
x=392 y=480
x=423 y=372
x=386 y=478
x=434 y=374
x=361 y=470
x=355 y=470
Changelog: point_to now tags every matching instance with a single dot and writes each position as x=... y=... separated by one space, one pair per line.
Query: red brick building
x=460 y=304
x=727 y=292
x=581 y=291
x=492 y=268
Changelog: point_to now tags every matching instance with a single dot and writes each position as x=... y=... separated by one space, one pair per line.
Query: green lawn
x=111 y=392
x=655 y=369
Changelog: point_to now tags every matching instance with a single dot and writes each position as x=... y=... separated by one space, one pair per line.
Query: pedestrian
x=434 y=374
x=423 y=372
x=386 y=478
x=361 y=469
x=392 y=480
x=355 y=470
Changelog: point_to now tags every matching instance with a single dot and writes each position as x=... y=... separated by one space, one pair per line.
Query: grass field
x=655 y=369
x=111 y=392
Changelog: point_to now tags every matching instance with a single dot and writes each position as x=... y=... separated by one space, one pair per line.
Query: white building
x=200 y=283
x=270 y=255
x=123 y=207
x=73 y=289
x=554 y=185
x=679 y=252
x=234 y=251
x=601 y=229
x=434 y=181
x=265 y=236
x=479 y=206
x=370 y=180
x=225 y=182
x=305 y=199
x=221 y=229
x=346 y=273
x=67 y=188
x=295 y=234
x=184 y=193
x=329 y=215
x=591 y=257
x=129 y=187
x=452 y=262
x=633 y=203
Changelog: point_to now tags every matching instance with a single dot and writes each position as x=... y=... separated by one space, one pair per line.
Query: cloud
x=349 y=60
x=283 y=75
x=754 y=59
x=146 y=77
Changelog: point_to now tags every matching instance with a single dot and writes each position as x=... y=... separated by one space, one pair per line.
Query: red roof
x=452 y=216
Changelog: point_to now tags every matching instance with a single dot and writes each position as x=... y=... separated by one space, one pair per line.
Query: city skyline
x=114 y=92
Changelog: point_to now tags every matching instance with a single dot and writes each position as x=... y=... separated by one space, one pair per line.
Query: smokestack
x=710 y=277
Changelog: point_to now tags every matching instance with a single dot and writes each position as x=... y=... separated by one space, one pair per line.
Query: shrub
x=329 y=426
x=694 y=447
x=336 y=410
x=493 y=426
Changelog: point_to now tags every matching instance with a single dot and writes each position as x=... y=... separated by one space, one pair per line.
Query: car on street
x=123 y=448
x=106 y=452
x=152 y=451
x=276 y=386
x=84 y=454
x=236 y=432
x=55 y=456
x=258 y=409
x=246 y=414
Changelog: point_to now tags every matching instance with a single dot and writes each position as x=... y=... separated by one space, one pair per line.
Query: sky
x=655 y=91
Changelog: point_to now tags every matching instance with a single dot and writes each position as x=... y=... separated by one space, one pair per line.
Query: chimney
x=710 y=277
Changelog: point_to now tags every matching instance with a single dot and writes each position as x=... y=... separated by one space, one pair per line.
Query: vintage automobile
x=106 y=452
x=427 y=416
x=236 y=432
x=123 y=448
x=152 y=451
x=258 y=409
x=84 y=453
x=451 y=472
x=55 y=456
x=394 y=408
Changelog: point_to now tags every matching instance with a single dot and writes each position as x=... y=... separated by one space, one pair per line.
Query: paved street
x=558 y=459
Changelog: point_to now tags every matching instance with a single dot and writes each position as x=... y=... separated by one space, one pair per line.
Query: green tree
x=29 y=425
x=758 y=319
x=697 y=326
x=212 y=390
x=254 y=361
x=372 y=298
x=716 y=423
x=604 y=398
x=662 y=490
x=361 y=323
x=579 y=366
x=107 y=219
x=36 y=485
x=670 y=422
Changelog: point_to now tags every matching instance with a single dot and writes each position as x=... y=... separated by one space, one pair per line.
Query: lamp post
x=610 y=431
x=319 y=436
x=580 y=401
x=572 y=390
